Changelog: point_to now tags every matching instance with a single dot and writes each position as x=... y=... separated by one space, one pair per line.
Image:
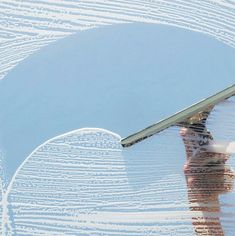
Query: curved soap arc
x=62 y=179
x=215 y=18
x=55 y=139
x=77 y=184
x=131 y=76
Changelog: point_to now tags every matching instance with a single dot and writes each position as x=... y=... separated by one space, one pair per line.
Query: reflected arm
x=180 y=117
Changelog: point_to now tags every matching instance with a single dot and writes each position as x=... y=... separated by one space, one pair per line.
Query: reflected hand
x=207 y=177
x=205 y=172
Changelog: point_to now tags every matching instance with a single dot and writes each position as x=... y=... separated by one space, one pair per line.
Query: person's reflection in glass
x=207 y=177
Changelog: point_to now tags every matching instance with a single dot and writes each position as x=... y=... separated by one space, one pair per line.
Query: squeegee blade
x=179 y=117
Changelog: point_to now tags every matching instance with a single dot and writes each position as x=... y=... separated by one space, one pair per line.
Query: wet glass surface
x=169 y=184
x=84 y=182
x=195 y=185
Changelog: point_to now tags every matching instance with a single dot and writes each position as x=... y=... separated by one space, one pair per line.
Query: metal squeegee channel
x=179 y=117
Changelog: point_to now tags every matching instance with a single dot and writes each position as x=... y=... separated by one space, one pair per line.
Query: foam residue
x=78 y=184
x=27 y=26
x=84 y=183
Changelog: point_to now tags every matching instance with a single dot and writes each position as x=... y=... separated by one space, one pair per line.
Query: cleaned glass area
x=65 y=110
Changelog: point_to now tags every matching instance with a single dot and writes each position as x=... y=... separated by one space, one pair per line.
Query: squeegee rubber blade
x=179 y=117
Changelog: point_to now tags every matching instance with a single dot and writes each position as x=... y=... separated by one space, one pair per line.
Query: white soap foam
x=30 y=25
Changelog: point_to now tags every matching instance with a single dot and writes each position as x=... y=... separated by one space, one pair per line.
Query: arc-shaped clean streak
x=37 y=23
x=77 y=183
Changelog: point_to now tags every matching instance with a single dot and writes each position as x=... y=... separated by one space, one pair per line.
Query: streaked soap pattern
x=79 y=184
x=28 y=25
x=82 y=183
x=1 y=193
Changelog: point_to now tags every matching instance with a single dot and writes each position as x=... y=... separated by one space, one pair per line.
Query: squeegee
x=180 y=117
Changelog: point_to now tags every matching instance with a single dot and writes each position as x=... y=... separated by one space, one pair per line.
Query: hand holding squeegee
x=192 y=117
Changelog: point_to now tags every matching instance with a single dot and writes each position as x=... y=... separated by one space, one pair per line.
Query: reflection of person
x=207 y=177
